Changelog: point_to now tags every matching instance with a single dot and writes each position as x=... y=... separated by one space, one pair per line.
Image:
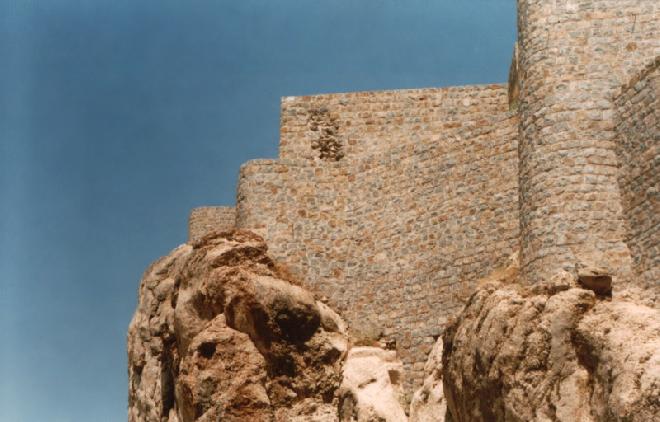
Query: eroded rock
x=552 y=353
x=428 y=403
x=220 y=334
x=371 y=389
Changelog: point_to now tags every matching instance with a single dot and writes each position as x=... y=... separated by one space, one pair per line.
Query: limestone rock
x=222 y=377
x=220 y=334
x=371 y=388
x=428 y=403
x=552 y=354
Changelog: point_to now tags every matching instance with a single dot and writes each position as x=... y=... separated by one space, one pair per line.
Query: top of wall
x=349 y=126
x=203 y=220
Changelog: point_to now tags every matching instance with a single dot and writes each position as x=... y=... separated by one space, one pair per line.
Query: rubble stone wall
x=422 y=202
x=638 y=147
x=573 y=56
x=205 y=219
x=301 y=211
x=440 y=215
x=391 y=204
x=363 y=124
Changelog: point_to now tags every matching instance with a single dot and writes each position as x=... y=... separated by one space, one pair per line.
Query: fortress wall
x=393 y=233
x=429 y=219
x=301 y=211
x=203 y=220
x=361 y=124
x=573 y=55
x=638 y=147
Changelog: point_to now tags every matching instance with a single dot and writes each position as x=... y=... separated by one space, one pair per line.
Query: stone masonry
x=574 y=55
x=205 y=219
x=638 y=149
x=393 y=204
x=422 y=203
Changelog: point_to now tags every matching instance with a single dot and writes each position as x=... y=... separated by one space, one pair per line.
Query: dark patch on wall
x=325 y=134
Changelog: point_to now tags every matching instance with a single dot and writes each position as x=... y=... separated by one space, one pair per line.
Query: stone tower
x=573 y=57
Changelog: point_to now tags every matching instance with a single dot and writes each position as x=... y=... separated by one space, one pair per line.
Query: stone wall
x=203 y=220
x=638 y=147
x=301 y=211
x=574 y=54
x=401 y=201
x=391 y=204
x=363 y=124
x=439 y=215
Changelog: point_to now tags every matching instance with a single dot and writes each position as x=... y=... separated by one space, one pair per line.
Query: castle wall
x=301 y=211
x=573 y=55
x=437 y=216
x=392 y=204
x=638 y=147
x=203 y=220
x=414 y=199
x=363 y=124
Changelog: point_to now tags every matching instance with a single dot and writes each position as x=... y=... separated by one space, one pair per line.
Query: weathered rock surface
x=371 y=388
x=428 y=403
x=220 y=334
x=555 y=352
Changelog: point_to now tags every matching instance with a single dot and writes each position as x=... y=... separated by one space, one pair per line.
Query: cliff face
x=222 y=334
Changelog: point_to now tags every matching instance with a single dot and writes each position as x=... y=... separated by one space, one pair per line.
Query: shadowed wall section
x=638 y=147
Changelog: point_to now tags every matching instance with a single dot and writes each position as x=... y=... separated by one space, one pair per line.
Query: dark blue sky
x=118 y=116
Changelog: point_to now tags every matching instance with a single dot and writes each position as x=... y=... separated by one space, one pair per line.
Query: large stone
x=552 y=354
x=371 y=389
x=220 y=334
x=222 y=377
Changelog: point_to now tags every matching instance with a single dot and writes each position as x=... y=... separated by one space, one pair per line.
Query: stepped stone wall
x=392 y=204
x=638 y=147
x=573 y=56
x=301 y=211
x=414 y=198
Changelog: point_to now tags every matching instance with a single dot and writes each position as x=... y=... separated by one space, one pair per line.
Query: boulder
x=222 y=333
x=371 y=389
x=564 y=352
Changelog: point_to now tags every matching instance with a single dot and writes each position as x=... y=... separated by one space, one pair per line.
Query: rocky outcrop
x=428 y=403
x=371 y=388
x=560 y=351
x=221 y=334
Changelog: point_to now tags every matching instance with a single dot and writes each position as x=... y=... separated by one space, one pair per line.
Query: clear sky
x=118 y=116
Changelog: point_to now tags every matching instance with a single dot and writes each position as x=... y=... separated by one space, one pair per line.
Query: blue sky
x=117 y=117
